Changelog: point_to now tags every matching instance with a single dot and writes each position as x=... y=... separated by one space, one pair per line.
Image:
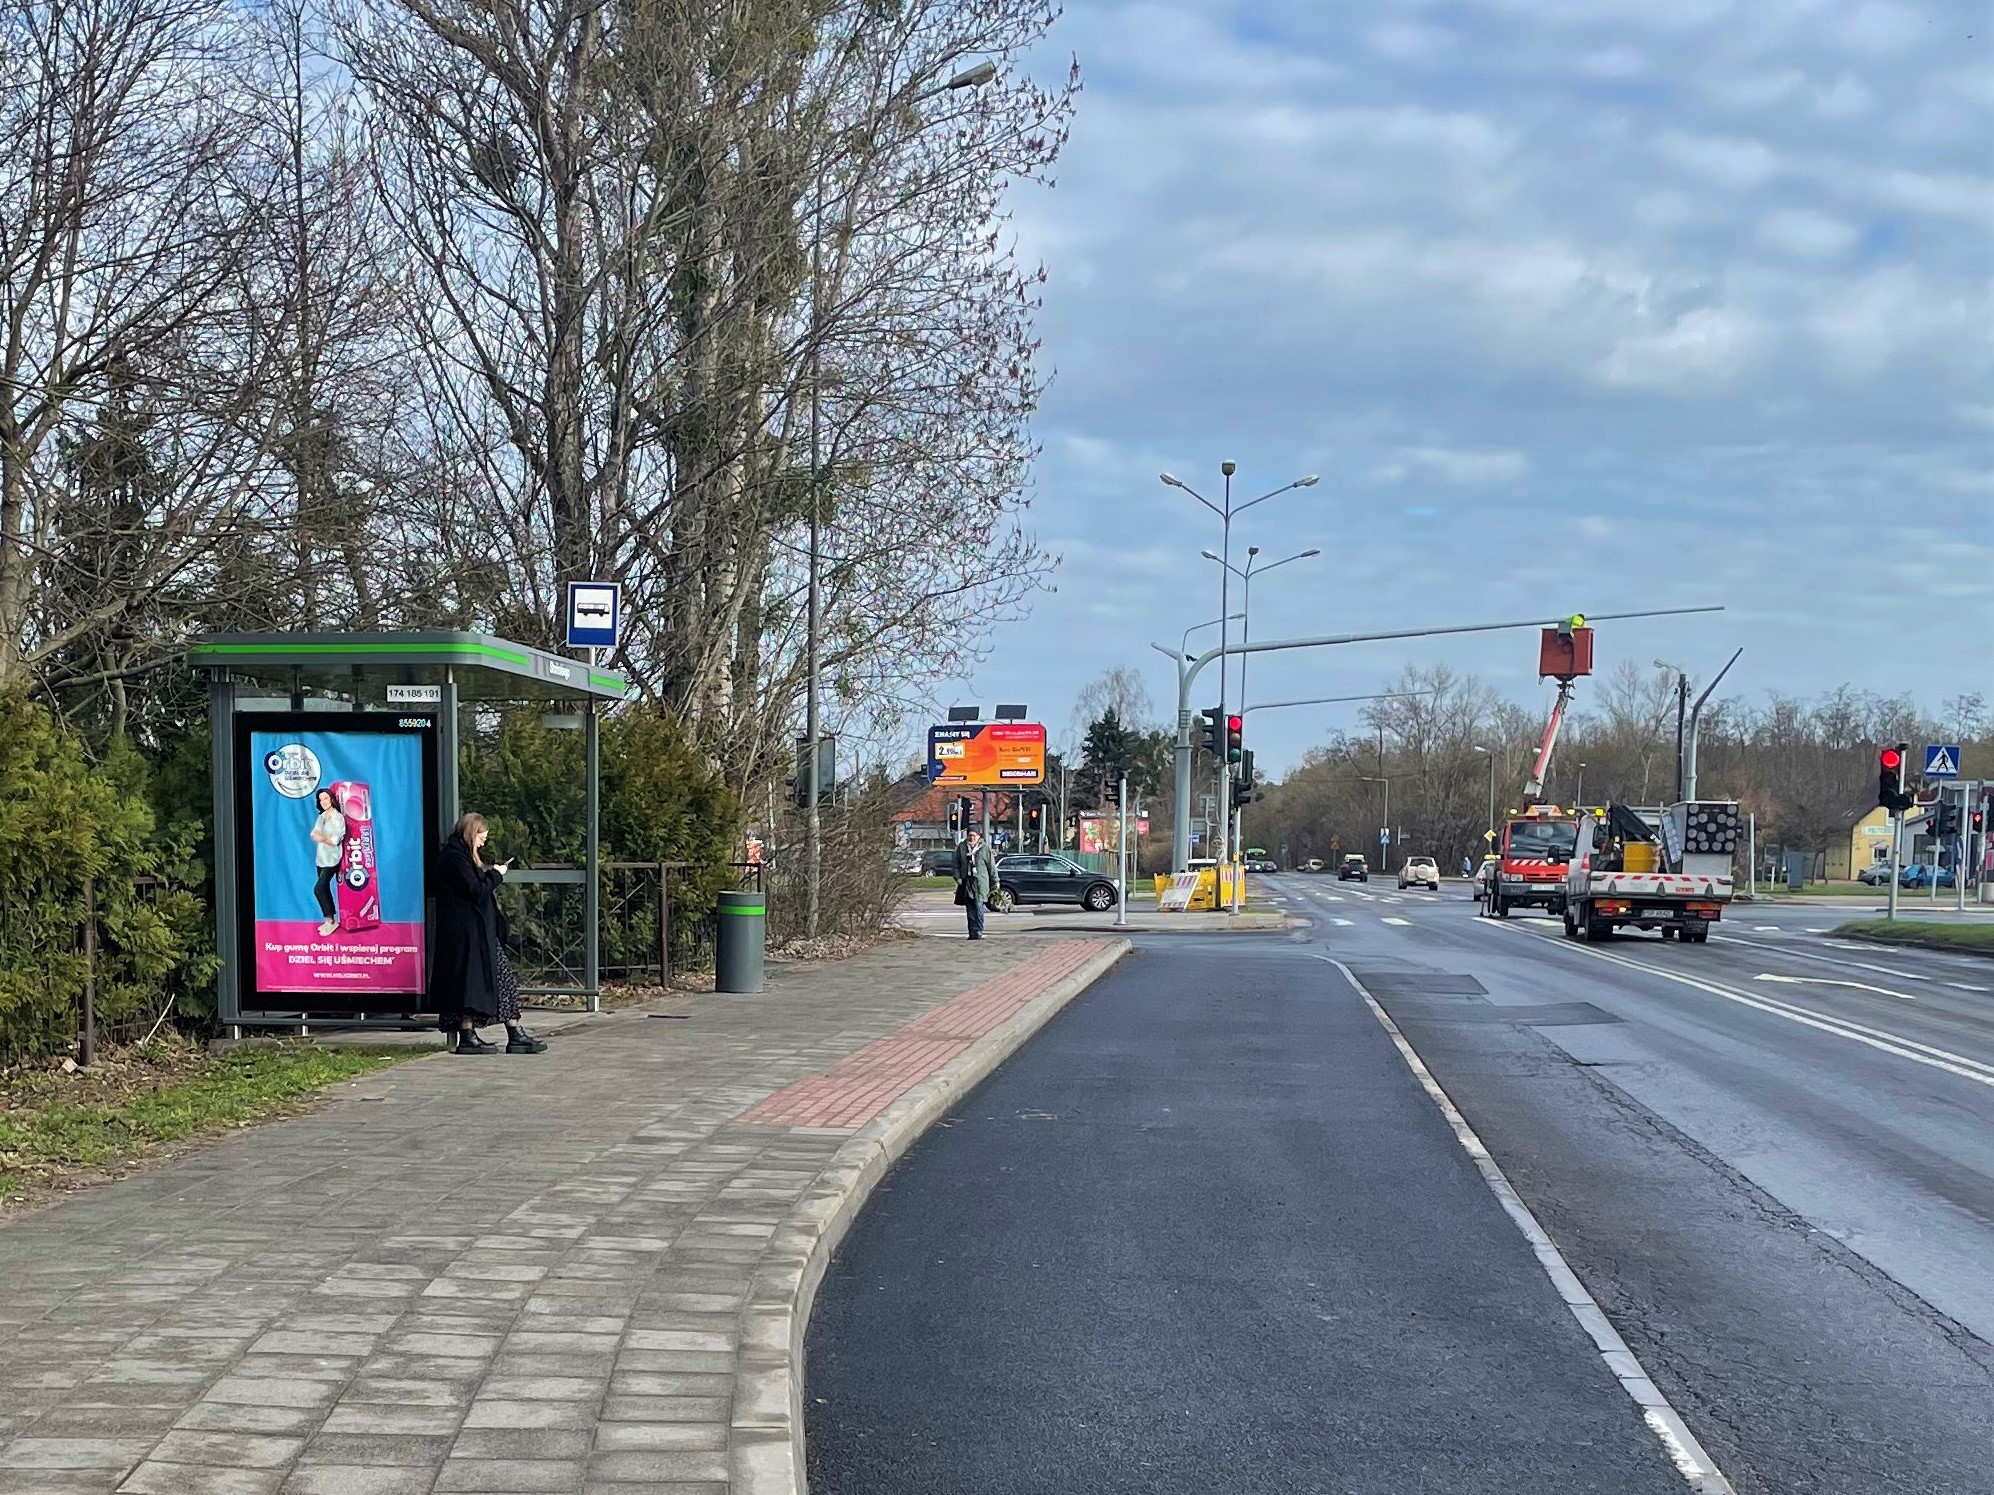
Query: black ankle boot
x=468 y=1042
x=519 y=1041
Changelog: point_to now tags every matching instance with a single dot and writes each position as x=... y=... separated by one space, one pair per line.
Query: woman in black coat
x=469 y=977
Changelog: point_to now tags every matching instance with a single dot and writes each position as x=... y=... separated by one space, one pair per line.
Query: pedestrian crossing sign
x=1942 y=760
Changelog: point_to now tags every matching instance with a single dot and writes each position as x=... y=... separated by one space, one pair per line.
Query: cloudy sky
x=1587 y=305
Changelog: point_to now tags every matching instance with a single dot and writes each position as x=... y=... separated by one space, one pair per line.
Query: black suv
x=1353 y=868
x=1051 y=879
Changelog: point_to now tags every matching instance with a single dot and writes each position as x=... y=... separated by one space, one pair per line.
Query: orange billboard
x=987 y=755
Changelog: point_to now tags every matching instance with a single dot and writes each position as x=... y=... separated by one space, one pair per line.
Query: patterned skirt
x=508 y=990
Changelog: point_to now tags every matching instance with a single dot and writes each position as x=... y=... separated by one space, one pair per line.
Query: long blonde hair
x=468 y=825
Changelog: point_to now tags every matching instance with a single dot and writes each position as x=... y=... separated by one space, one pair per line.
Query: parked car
x=1353 y=868
x=1420 y=872
x=1875 y=876
x=1051 y=879
x=1919 y=875
x=938 y=861
x=1482 y=875
x=1313 y=864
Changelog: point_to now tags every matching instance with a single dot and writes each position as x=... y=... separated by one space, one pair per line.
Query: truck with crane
x=1613 y=867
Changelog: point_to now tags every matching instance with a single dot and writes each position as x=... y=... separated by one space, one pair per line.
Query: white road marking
x=1966 y=986
x=1826 y=960
x=1405 y=922
x=1830 y=981
x=1876 y=1038
x=1812 y=930
x=1696 y=1467
x=1343 y=923
x=1761 y=928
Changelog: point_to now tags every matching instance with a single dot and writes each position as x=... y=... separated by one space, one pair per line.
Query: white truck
x=1668 y=870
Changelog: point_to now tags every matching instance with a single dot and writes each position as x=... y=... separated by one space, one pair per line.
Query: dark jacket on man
x=463 y=972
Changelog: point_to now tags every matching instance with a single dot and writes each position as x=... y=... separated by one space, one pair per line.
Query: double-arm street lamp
x=1226 y=509
x=1245 y=613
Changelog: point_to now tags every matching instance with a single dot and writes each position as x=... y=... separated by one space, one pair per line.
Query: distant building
x=1868 y=843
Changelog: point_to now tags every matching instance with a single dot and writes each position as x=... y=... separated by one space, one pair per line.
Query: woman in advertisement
x=328 y=839
x=471 y=982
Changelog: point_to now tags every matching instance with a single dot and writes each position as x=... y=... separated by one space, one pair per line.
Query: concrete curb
x=766 y=1439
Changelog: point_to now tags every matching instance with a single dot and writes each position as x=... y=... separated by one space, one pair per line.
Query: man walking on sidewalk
x=975 y=878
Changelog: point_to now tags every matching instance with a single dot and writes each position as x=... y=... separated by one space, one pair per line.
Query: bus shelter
x=335 y=779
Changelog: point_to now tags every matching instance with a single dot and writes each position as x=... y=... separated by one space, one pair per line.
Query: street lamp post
x=1682 y=717
x=1385 y=838
x=813 y=822
x=1226 y=510
x=1579 y=794
x=1486 y=753
x=1246 y=637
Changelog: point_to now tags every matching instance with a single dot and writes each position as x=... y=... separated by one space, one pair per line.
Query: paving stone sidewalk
x=519 y=1274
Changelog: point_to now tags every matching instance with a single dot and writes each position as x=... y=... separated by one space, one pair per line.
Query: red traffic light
x=1235 y=723
x=1890 y=759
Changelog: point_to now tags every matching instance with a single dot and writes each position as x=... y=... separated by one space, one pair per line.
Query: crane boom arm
x=1533 y=789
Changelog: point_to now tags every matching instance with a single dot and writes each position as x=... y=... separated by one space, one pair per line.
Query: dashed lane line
x=1344 y=923
x=1826 y=960
x=1876 y=1038
x=1406 y=923
x=1967 y=986
x=1696 y=1467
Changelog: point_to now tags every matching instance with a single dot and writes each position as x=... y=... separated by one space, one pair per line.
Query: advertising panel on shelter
x=340 y=829
x=987 y=755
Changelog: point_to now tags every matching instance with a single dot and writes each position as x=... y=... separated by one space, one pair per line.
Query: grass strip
x=56 y=1125
x=1925 y=934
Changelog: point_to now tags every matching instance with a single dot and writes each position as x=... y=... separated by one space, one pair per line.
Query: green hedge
x=66 y=820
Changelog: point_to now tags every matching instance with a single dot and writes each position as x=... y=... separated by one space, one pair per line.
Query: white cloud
x=1806 y=233
x=1711 y=276
x=1721 y=161
x=1455 y=465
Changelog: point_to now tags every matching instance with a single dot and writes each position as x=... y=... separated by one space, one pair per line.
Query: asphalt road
x=1205 y=1234
x=1771 y=1158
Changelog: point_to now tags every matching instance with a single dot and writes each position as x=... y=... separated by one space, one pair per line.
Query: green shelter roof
x=484 y=668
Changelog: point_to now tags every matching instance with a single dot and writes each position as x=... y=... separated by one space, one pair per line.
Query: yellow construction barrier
x=1197 y=891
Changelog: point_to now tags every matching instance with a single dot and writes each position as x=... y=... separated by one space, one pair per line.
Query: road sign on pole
x=595 y=614
x=1942 y=760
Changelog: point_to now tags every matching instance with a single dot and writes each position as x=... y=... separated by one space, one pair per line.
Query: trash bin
x=740 y=934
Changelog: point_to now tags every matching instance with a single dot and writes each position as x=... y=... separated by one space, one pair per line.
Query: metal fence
x=649 y=929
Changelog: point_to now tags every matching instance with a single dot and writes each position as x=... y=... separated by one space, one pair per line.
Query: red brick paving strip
x=867 y=1081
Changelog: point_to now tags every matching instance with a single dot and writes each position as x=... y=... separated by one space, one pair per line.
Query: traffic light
x=1235 y=728
x=1945 y=819
x=1214 y=730
x=1242 y=785
x=1978 y=822
x=1890 y=778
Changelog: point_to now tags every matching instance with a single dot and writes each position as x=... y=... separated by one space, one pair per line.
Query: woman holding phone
x=470 y=978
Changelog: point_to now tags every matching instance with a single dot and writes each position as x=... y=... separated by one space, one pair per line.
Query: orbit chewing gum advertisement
x=337 y=831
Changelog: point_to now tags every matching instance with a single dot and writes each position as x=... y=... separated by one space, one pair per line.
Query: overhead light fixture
x=965 y=713
x=1010 y=713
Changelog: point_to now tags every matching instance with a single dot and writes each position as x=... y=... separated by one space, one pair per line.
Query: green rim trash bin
x=740 y=934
